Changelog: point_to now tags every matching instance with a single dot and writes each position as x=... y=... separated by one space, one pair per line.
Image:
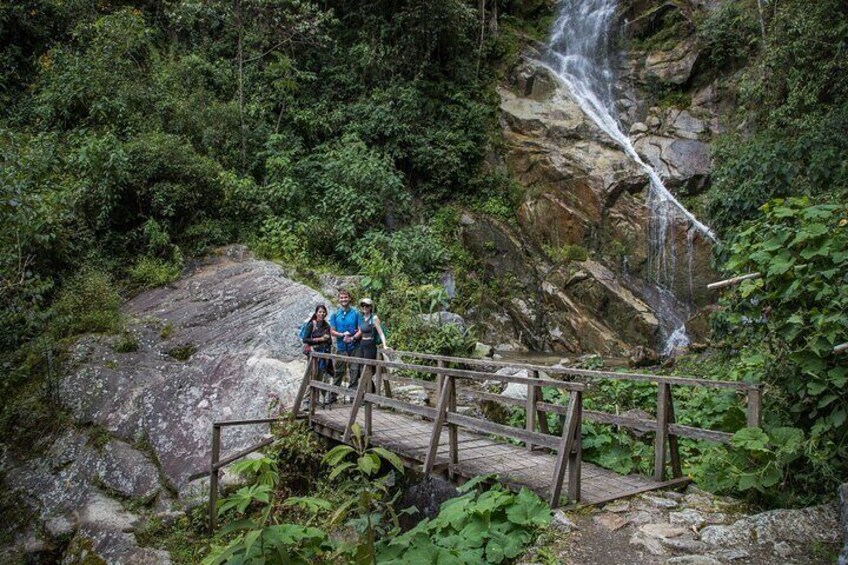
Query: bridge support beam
x=441 y=416
x=570 y=435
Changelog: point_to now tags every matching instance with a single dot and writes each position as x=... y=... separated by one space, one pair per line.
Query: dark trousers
x=342 y=367
x=365 y=350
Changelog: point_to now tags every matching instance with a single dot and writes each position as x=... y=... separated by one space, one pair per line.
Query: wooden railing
x=373 y=390
x=665 y=427
x=216 y=463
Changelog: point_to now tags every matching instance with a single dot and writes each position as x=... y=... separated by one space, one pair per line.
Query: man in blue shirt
x=343 y=325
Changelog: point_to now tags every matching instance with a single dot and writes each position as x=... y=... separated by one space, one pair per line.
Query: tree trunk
x=482 y=9
x=762 y=18
x=240 y=62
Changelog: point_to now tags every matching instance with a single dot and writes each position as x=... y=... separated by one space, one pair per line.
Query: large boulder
x=681 y=162
x=672 y=66
x=219 y=344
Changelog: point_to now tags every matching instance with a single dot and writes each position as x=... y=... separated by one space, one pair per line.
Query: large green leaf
x=368 y=463
x=337 y=454
x=529 y=509
x=390 y=457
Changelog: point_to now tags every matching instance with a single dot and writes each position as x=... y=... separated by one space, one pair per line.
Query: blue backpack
x=305 y=330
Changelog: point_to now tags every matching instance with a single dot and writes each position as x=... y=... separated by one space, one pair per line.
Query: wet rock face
x=577 y=307
x=582 y=192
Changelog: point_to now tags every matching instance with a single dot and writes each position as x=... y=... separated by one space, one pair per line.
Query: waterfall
x=580 y=52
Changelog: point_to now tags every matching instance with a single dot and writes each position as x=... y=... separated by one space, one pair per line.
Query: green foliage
x=150 y=272
x=491 y=527
x=126 y=343
x=260 y=470
x=369 y=498
x=416 y=252
x=773 y=164
x=729 y=34
x=795 y=96
x=754 y=460
x=566 y=253
x=87 y=303
x=788 y=322
x=182 y=352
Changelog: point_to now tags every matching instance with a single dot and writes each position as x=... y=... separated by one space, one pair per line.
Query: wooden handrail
x=458 y=373
x=216 y=463
x=684 y=381
x=642 y=425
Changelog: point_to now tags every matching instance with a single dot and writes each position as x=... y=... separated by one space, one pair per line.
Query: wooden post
x=354 y=410
x=733 y=281
x=213 y=477
x=304 y=387
x=755 y=406
x=575 y=457
x=441 y=416
x=313 y=392
x=453 y=431
x=541 y=415
x=440 y=379
x=663 y=391
x=386 y=384
x=378 y=380
x=565 y=446
x=530 y=410
x=673 y=447
x=368 y=407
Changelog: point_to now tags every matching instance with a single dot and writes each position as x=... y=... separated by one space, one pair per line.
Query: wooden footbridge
x=452 y=441
x=441 y=439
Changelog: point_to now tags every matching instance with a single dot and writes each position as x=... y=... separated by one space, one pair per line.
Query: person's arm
x=357 y=335
x=333 y=331
x=308 y=340
x=380 y=331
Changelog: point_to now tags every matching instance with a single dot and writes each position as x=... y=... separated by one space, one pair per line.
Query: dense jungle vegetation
x=345 y=136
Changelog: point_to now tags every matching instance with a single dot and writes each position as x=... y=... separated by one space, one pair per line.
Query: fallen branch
x=733 y=281
x=841 y=348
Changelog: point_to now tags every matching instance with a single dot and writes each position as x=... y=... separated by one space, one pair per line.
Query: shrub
x=150 y=272
x=792 y=317
x=491 y=527
x=729 y=34
x=87 y=303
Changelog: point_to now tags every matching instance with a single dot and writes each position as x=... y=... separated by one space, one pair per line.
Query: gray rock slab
x=693 y=560
x=126 y=471
x=796 y=527
x=444 y=319
x=240 y=317
x=106 y=532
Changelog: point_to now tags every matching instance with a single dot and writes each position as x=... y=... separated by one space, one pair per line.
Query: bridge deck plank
x=409 y=436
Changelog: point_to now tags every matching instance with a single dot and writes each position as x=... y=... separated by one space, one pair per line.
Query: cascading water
x=580 y=53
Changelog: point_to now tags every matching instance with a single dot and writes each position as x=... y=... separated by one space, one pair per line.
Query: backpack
x=377 y=339
x=305 y=330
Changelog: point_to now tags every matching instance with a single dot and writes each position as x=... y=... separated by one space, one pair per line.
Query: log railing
x=373 y=391
x=666 y=430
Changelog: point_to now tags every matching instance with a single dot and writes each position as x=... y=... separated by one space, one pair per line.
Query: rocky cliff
x=218 y=344
x=580 y=246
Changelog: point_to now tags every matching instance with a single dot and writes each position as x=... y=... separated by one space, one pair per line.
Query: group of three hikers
x=356 y=334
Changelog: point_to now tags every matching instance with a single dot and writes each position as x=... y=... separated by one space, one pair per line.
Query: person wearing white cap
x=369 y=325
